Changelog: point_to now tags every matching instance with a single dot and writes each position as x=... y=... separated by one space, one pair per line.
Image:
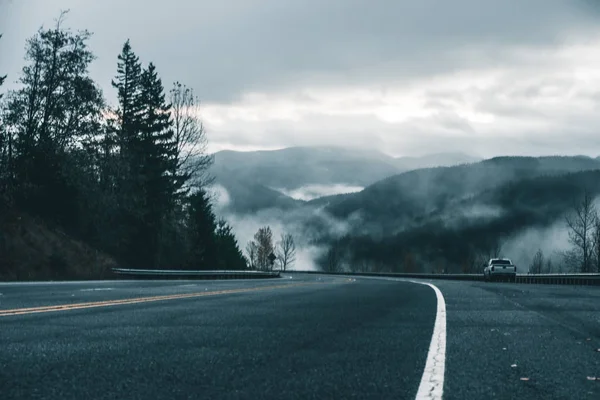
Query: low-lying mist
x=302 y=223
x=311 y=192
x=553 y=241
x=387 y=225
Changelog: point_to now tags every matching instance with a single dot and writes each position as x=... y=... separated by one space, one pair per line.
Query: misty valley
x=447 y=213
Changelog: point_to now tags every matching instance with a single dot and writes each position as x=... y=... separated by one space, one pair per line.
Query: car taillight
x=515 y=268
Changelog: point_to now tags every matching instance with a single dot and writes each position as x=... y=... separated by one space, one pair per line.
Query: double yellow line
x=108 y=303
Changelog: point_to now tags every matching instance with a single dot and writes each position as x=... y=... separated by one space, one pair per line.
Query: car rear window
x=505 y=262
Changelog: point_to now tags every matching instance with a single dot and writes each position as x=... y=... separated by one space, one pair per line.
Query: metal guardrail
x=462 y=277
x=185 y=274
x=560 y=279
x=551 y=279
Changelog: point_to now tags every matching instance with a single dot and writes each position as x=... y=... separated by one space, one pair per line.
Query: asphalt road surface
x=298 y=337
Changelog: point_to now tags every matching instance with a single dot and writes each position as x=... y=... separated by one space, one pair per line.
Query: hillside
x=306 y=173
x=434 y=160
x=401 y=201
x=295 y=167
x=31 y=249
x=244 y=197
x=457 y=234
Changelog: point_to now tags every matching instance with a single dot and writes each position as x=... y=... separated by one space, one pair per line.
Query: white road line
x=95 y=289
x=432 y=381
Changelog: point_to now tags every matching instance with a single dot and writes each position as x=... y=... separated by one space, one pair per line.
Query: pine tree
x=157 y=141
x=123 y=138
x=230 y=257
x=201 y=224
x=128 y=85
x=158 y=152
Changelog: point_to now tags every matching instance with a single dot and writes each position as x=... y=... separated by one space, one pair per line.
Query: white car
x=500 y=268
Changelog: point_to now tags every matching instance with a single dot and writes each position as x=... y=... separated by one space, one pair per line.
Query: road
x=298 y=337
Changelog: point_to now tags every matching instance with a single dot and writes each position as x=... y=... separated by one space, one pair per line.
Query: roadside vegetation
x=125 y=182
x=263 y=254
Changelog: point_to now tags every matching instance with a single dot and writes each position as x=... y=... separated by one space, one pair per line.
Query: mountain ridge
x=329 y=170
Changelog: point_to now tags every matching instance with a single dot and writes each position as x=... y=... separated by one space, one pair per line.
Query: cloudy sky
x=406 y=77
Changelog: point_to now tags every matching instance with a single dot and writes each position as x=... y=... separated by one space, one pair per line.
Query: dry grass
x=31 y=250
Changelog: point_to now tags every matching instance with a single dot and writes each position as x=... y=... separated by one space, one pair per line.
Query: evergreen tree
x=201 y=226
x=123 y=140
x=230 y=257
x=57 y=105
x=158 y=153
x=157 y=141
x=131 y=184
x=128 y=85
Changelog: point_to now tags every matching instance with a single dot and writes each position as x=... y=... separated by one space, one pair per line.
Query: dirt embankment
x=33 y=250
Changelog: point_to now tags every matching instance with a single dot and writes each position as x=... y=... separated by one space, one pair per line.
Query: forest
x=443 y=234
x=85 y=184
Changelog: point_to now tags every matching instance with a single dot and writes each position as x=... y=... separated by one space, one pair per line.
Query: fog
x=458 y=217
x=311 y=192
x=553 y=241
x=301 y=223
x=483 y=203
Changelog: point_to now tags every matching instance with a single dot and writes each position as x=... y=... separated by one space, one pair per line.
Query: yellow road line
x=107 y=303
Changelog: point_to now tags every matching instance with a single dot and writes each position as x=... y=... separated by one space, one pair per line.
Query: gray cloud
x=226 y=48
x=284 y=49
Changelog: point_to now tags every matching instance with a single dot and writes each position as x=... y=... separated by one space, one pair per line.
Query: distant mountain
x=434 y=160
x=306 y=173
x=398 y=202
x=448 y=218
x=248 y=197
x=296 y=167
x=514 y=219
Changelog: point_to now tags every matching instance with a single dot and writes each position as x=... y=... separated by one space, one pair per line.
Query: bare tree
x=2 y=78
x=473 y=259
x=548 y=268
x=286 y=251
x=581 y=224
x=492 y=249
x=193 y=161
x=361 y=265
x=596 y=244
x=5 y=153
x=251 y=252
x=477 y=256
x=263 y=248
x=538 y=263
x=333 y=258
